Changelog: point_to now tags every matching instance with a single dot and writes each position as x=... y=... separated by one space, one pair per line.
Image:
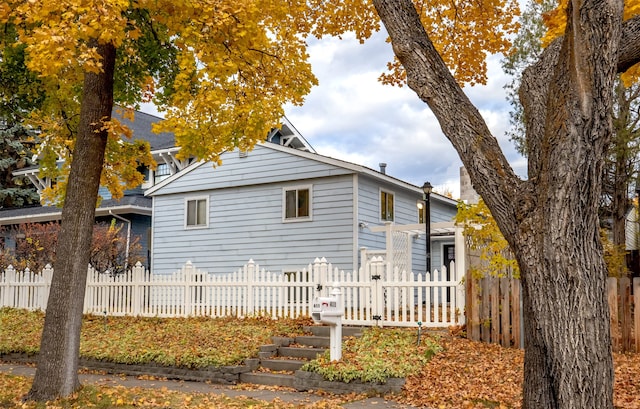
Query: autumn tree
x=35 y=245
x=541 y=22
x=29 y=245
x=485 y=239
x=221 y=70
x=113 y=251
x=551 y=219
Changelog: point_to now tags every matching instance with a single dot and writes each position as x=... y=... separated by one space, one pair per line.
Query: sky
x=351 y=116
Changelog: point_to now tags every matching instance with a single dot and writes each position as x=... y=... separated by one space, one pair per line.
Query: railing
x=374 y=295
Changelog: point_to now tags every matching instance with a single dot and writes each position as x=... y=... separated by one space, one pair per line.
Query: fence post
x=376 y=269
x=473 y=305
x=137 y=276
x=47 y=274
x=187 y=278
x=516 y=311
x=389 y=237
x=612 y=298
x=250 y=272
x=625 y=312
x=321 y=274
x=363 y=255
x=505 y=311
x=10 y=278
x=460 y=269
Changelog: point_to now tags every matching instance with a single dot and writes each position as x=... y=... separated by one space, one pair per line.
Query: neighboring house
x=282 y=208
x=133 y=211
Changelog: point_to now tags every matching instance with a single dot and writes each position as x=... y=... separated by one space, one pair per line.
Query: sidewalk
x=299 y=398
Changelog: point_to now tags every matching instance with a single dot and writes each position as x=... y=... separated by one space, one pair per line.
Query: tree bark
x=550 y=220
x=57 y=370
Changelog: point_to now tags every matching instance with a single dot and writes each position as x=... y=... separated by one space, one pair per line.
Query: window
x=162 y=172
x=297 y=203
x=196 y=214
x=386 y=206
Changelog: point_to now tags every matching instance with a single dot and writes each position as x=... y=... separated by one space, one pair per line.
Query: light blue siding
x=262 y=166
x=246 y=223
x=245 y=214
x=406 y=212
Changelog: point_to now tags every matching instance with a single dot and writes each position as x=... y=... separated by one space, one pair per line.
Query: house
x=133 y=211
x=281 y=204
x=283 y=207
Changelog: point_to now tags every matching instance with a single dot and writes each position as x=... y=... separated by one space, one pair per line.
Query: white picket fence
x=373 y=295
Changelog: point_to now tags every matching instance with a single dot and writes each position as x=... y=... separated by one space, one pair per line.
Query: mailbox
x=326 y=310
x=329 y=310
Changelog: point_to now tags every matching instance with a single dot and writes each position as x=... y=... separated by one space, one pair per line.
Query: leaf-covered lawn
x=368 y=358
x=185 y=342
x=462 y=374
x=468 y=374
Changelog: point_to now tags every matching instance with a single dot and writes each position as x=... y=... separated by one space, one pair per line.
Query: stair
x=277 y=362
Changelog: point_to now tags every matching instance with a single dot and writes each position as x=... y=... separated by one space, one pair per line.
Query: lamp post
x=427 y=189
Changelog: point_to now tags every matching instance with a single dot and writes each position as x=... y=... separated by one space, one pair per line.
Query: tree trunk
x=550 y=220
x=57 y=370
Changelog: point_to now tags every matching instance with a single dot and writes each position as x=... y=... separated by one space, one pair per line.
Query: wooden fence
x=494 y=312
x=373 y=295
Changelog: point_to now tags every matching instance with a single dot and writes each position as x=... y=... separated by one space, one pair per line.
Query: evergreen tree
x=15 y=153
x=20 y=93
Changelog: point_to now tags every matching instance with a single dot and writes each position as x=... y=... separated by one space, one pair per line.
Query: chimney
x=383 y=168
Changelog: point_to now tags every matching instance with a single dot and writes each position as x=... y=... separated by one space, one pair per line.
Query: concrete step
x=282 y=364
x=282 y=341
x=267 y=351
x=313 y=341
x=265 y=378
x=324 y=330
x=304 y=353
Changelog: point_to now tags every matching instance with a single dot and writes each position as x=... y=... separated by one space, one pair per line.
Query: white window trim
x=186 y=202
x=284 y=204
x=393 y=216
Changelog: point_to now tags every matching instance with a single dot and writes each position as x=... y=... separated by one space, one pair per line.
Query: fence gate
x=382 y=295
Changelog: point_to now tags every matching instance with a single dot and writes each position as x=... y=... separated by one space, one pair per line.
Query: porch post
x=460 y=272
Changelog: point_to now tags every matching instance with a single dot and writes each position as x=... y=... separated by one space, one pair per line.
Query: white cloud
x=352 y=116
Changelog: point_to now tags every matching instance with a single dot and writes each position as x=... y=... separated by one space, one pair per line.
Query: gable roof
x=141 y=130
x=351 y=167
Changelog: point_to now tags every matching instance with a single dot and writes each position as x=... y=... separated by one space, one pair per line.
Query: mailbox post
x=329 y=310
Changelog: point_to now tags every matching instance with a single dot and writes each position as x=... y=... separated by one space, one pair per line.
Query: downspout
x=126 y=250
x=355 y=251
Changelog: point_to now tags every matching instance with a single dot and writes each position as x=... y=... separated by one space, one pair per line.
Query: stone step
x=265 y=378
x=282 y=341
x=304 y=353
x=282 y=364
x=313 y=341
x=324 y=330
